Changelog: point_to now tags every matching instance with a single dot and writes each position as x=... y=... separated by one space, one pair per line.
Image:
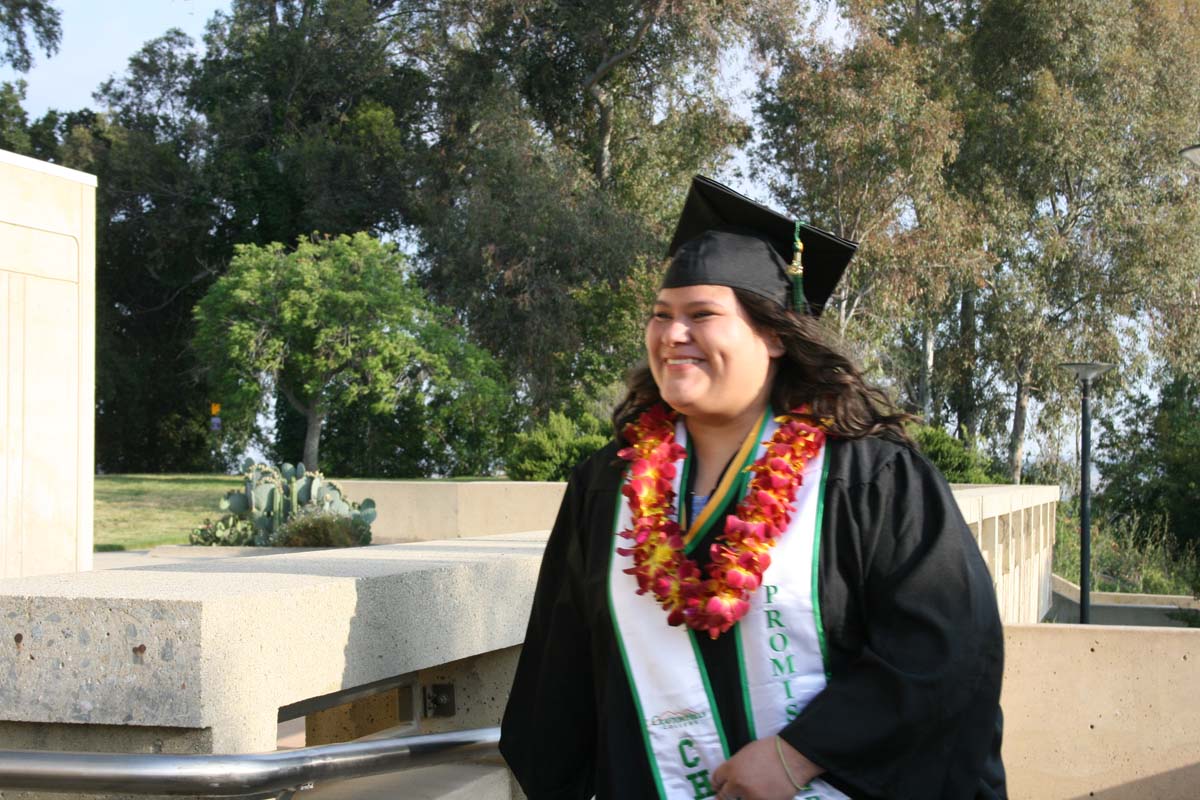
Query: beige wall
x=422 y=511
x=1014 y=526
x=47 y=344
x=1101 y=711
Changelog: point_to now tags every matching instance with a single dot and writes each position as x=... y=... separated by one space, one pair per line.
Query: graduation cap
x=726 y=239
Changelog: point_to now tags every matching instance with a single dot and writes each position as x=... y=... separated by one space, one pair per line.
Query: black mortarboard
x=726 y=239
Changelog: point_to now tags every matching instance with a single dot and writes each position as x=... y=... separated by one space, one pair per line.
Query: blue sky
x=97 y=40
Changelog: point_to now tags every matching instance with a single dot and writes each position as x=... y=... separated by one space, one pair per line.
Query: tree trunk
x=1016 y=444
x=604 y=103
x=966 y=410
x=312 y=438
x=924 y=386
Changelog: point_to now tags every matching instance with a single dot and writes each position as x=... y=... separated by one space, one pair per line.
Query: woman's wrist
x=799 y=768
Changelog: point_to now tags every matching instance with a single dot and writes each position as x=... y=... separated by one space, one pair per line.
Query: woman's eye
x=660 y=315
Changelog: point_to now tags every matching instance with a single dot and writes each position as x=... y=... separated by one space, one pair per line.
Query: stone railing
x=210 y=655
x=1014 y=525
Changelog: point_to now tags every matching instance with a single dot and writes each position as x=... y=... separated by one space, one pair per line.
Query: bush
x=549 y=451
x=322 y=529
x=956 y=460
x=229 y=531
x=1129 y=554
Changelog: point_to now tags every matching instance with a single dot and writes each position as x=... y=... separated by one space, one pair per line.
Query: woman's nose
x=675 y=332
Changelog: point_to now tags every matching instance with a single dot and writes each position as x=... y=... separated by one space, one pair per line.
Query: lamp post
x=1086 y=373
x=1192 y=154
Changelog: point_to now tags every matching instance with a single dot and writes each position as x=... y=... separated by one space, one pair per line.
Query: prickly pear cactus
x=270 y=498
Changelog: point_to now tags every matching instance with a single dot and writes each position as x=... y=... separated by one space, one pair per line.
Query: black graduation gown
x=915 y=646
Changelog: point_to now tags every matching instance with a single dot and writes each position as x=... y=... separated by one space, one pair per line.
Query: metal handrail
x=236 y=775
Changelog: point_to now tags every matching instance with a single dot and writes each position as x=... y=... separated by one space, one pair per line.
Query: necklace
x=740 y=556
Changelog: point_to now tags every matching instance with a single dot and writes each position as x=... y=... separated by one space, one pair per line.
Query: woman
x=739 y=605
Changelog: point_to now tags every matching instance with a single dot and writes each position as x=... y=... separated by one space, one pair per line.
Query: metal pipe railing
x=236 y=775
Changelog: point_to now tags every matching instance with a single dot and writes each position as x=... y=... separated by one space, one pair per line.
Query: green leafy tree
x=19 y=18
x=454 y=416
x=564 y=137
x=1073 y=134
x=549 y=451
x=325 y=325
x=1147 y=459
x=14 y=122
x=297 y=117
x=858 y=140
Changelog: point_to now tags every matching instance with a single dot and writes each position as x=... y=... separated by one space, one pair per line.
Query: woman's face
x=705 y=355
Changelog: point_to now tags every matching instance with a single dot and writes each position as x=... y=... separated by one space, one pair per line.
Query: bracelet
x=783 y=761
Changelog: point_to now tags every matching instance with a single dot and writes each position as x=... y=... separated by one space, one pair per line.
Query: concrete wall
x=1014 y=526
x=47 y=344
x=1093 y=711
x=1118 y=608
x=421 y=511
x=211 y=650
x=201 y=656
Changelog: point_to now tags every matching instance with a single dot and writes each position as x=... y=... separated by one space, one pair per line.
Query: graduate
x=759 y=590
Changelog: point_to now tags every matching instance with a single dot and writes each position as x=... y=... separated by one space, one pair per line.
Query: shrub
x=230 y=531
x=956 y=460
x=1129 y=554
x=550 y=450
x=322 y=529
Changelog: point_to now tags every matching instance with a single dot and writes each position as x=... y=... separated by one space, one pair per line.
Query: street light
x=1192 y=154
x=1086 y=373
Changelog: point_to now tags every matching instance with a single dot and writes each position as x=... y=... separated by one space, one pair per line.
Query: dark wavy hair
x=811 y=371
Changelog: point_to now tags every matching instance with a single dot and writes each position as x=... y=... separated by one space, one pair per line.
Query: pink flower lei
x=740 y=555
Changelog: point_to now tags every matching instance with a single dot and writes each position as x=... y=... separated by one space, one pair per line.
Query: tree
x=330 y=323
x=859 y=140
x=563 y=139
x=295 y=119
x=41 y=18
x=1147 y=458
x=1073 y=133
x=14 y=122
x=455 y=415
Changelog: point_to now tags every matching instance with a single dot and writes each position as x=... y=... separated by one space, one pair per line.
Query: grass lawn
x=134 y=512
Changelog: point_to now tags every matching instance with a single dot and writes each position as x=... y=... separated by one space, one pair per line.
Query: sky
x=97 y=40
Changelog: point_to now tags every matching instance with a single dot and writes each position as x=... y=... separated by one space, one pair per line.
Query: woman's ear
x=775 y=347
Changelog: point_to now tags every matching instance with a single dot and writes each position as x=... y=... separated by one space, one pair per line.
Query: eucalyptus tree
x=858 y=139
x=1079 y=113
x=19 y=19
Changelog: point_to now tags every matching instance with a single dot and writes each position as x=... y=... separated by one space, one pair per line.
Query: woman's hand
x=756 y=773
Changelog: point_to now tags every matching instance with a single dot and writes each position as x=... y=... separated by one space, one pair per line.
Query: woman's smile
x=706 y=357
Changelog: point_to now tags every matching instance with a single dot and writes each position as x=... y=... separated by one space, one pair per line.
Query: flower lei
x=740 y=555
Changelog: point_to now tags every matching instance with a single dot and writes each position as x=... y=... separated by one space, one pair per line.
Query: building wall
x=47 y=355
x=1098 y=711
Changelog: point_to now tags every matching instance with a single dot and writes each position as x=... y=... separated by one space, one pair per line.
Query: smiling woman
x=759 y=590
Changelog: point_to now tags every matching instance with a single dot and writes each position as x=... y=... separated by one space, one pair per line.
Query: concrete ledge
x=215 y=647
x=1101 y=711
x=412 y=511
x=1119 y=608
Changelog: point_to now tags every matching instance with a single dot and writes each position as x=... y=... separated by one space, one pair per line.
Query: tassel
x=796 y=272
